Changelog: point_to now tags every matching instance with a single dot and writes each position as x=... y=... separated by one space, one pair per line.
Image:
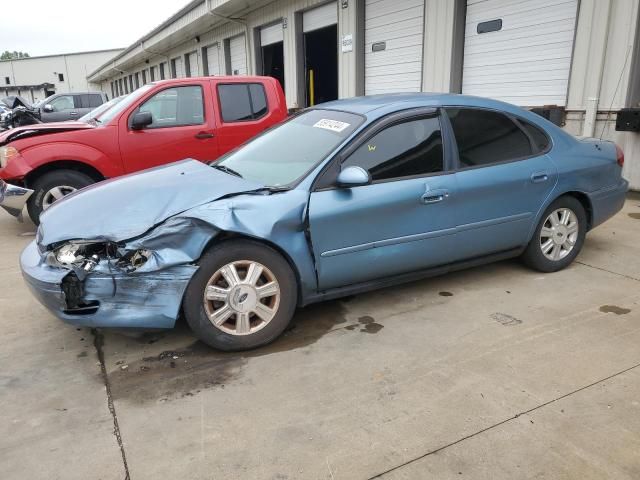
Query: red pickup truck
x=161 y=122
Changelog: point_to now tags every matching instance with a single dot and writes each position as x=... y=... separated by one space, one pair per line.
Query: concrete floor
x=497 y=372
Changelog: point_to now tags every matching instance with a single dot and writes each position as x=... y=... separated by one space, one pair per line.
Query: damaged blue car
x=342 y=198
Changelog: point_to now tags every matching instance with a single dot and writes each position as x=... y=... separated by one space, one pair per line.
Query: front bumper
x=146 y=300
x=13 y=198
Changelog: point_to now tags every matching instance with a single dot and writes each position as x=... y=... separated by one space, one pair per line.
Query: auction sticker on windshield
x=333 y=125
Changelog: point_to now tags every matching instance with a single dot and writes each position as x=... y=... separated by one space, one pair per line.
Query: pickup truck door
x=183 y=127
x=62 y=108
x=245 y=109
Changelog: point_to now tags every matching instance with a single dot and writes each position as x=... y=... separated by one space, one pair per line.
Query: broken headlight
x=84 y=255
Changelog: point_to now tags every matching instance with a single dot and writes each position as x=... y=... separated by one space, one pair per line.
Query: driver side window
x=175 y=107
x=62 y=103
x=407 y=149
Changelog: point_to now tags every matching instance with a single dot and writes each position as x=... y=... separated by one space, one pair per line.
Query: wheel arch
x=225 y=235
x=584 y=200
x=74 y=165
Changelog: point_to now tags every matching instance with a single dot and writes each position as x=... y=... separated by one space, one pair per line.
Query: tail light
x=619 y=156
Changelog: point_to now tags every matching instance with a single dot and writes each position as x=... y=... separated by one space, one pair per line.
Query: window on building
x=242 y=101
x=407 y=149
x=136 y=78
x=162 y=72
x=485 y=137
x=60 y=77
x=175 y=107
x=7 y=80
x=113 y=90
x=144 y=77
x=152 y=74
x=131 y=83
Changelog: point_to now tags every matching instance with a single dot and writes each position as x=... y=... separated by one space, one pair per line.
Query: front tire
x=243 y=296
x=53 y=186
x=559 y=236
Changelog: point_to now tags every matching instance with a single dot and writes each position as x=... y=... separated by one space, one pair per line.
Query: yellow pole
x=312 y=96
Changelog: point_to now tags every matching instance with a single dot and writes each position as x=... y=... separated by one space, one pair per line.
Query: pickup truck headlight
x=6 y=154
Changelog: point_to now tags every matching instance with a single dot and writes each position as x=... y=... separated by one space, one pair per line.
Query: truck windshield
x=284 y=154
x=113 y=112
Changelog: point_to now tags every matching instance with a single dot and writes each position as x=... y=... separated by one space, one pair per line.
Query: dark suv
x=69 y=106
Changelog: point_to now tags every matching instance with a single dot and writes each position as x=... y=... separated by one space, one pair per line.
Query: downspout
x=247 y=50
x=591 y=112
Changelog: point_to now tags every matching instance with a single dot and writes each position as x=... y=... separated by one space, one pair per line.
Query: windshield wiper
x=95 y=119
x=226 y=169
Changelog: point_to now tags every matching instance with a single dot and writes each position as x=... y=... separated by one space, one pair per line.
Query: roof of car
x=374 y=106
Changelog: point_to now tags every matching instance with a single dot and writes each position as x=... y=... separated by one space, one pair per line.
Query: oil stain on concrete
x=505 y=319
x=366 y=324
x=635 y=216
x=186 y=371
x=614 y=309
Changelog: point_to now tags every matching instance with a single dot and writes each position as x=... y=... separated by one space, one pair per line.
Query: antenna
x=615 y=92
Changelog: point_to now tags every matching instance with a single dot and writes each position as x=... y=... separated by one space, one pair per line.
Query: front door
x=399 y=223
x=503 y=179
x=61 y=108
x=183 y=127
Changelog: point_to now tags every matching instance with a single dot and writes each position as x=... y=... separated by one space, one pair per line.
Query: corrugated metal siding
x=320 y=17
x=271 y=34
x=528 y=61
x=238 y=55
x=399 y=24
x=438 y=45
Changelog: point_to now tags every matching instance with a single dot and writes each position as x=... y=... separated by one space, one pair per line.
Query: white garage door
x=178 y=67
x=320 y=17
x=272 y=34
x=194 y=69
x=393 y=45
x=238 y=55
x=525 y=55
x=213 y=60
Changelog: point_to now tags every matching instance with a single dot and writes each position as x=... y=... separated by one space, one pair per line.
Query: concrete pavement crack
x=98 y=342
x=609 y=271
x=491 y=427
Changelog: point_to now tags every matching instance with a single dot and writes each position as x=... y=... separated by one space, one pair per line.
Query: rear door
x=402 y=222
x=183 y=127
x=243 y=112
x=503 y=178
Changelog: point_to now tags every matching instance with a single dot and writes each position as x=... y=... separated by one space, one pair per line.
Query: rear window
x=538 y=137
x=240 y=102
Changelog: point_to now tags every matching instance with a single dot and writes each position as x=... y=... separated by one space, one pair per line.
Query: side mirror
x=48 y=108
x=353 y=177
x=141 y=120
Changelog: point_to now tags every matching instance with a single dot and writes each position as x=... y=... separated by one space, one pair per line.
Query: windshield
x=98 y=111
x=285 y=154
x=111 y=113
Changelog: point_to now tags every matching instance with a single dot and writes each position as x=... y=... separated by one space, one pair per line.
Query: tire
x=558 y=249
x=228 y=300
x=64 y=180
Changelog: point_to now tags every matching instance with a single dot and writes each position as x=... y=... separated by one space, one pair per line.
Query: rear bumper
x=149 y=300
x=13 y=198
x=608 y=201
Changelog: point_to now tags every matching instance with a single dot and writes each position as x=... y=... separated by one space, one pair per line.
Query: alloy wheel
x=55 y=194
x=241 y=297
x=559 y=234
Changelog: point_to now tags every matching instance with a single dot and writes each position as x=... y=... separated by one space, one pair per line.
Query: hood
x=41 y=129
x=127 y=207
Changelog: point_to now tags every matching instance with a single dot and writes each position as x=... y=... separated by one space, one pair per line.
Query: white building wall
x=38 y=70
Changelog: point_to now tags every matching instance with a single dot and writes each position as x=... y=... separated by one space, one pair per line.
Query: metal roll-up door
x=213 y=60
x=320 y=17
x=393 y=38
x=272 y=34
x=238 y=55
x=178 y=67
x=519 y=52
x=194 y=69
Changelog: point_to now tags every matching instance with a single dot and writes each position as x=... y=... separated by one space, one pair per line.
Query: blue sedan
x=349 y=196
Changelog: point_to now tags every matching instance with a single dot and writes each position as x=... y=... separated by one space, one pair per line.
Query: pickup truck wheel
x=51 y=187
x=243 y=296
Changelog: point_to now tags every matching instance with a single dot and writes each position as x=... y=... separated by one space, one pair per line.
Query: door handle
x=204 y=135
x=434 y=196
x=73 y=113
x=539 y=177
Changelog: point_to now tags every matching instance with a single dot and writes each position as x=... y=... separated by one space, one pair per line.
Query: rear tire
x=243 y=296
x=559 y=236
x=52 y=186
